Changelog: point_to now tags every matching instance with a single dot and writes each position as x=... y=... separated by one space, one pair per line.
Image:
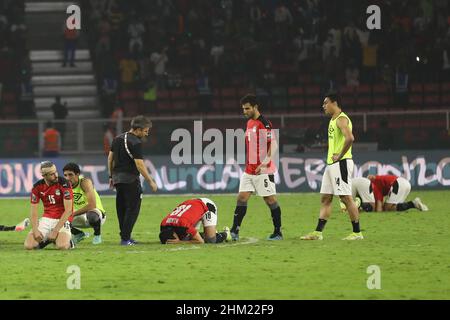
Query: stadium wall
x=297 y=172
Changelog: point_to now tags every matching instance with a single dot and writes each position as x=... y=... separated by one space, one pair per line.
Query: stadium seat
x=347 y=90
x=363 y=89
x=431 y=100
x=313 y=90
x=178 y=94
x=313 y=105
x=364 y=103
x=228 y=93
x=162 y=94
x=164 y=106
x=416 y=88
x=416 y=100
x=381 y=103
x=304 y=79
x=295 y=91
x=8 y=97
x=128 y=95
x=445 y=87
x=380 y=88
x=230 y=104
x=431 y=88
x=296 y=104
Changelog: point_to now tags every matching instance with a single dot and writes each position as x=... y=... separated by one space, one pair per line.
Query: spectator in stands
x=136 y=30
x=204 y=91
x=51 y=141
x=150 y=96
x=128 y=68
x=60 y=112
x=108 y=137
x=352 y=74
x=70 y=45
x=159 y=60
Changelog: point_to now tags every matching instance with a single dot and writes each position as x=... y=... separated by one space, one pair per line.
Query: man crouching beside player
x=180 y=226
x=57 y=197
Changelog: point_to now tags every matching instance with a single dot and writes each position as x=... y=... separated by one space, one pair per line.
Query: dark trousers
x=128 y=205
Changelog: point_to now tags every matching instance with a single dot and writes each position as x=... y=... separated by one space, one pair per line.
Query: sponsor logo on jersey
x=67 y=195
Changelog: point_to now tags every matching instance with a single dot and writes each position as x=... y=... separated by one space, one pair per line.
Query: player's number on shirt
x=51 y=199
x=180 y=210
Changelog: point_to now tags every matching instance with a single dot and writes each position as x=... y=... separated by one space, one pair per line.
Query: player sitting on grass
x=180 y=226
x=18 y=227
x=88 y=208
x=397 y=190
x=57 y=197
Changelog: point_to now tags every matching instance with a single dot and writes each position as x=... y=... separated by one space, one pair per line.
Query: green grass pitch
x=412 y=250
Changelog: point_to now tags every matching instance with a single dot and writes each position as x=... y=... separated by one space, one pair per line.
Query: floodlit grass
x=411 y=249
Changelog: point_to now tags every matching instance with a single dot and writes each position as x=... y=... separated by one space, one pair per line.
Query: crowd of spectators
x=15 y=65
x=265 y=43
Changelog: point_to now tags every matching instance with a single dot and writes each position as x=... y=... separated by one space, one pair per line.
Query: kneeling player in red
x=57 y=197
x=180 y=226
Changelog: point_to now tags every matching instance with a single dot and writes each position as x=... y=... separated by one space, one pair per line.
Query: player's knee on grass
x=390 y=207
x=210 y=239
x=93 y=218
x=30 y=243
x=368 y=207
x=63 y=241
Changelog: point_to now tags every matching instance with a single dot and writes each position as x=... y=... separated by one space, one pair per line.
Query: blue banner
x=296 y=172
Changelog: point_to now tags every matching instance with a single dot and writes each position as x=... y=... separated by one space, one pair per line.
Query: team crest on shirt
x=57 y=192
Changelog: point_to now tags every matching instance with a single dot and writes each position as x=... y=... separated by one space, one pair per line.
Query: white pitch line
x=249 y=241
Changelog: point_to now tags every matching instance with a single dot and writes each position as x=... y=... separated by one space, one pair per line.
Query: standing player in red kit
x=181 y=224
x=57 y=197
x=259 y=168
x=397 y=190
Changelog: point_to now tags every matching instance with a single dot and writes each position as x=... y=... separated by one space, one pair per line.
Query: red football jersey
x=381 y=186
x=52 y=197
x=258 y=138
x=187 y=215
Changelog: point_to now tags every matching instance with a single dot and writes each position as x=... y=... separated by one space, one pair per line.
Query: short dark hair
x=71 y=166
x=250 y=99
x=166 y=234
x=140 y=122
x=334 y=97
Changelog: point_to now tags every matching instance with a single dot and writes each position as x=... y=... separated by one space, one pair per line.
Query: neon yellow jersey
x=80 y=200
x=336 y=139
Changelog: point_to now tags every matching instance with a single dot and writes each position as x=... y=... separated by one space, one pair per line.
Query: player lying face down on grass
x=180 y=226
x=57 y=197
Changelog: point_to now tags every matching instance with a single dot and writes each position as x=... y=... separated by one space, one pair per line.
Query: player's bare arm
x=379 y=206
x=35 y=222
x=88 y=188
x=68 y=205
x=196 y=239
x=272 y=150
x=342 y=124
x=143 y=170
x=110 y=166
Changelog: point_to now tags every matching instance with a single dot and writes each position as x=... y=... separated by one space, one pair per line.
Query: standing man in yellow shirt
x=337 y=177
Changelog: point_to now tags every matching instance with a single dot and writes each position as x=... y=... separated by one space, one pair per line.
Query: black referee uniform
x=127 y=147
